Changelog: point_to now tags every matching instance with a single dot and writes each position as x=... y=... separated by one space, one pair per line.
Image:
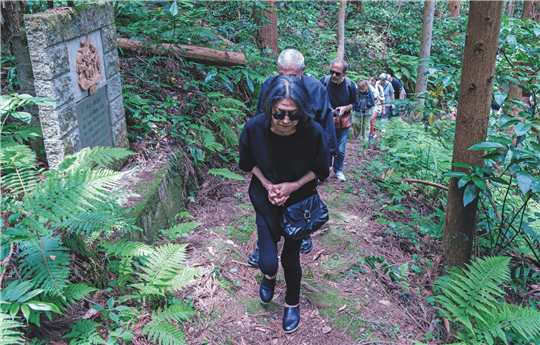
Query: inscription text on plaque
x=94 y=122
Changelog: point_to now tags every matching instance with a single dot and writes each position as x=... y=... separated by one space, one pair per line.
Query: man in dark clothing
x=399 y=91
x=291 y=62
x=343 y=98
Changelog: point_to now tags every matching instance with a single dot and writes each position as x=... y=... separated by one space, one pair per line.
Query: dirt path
x=346 y=298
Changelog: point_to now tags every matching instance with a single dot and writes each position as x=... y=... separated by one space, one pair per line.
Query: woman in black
x=286 y=151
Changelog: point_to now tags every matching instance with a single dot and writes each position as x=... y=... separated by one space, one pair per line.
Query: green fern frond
x=85 y=333
x=88 y=157
x=165 y=334
x=231 y=103
x=225 y=173
x=8 y=334
x=46 y=262
x=88 y=222
x=174 y=313
x=18 y=164
x=124 y=248
x=164 y=270
x=210 y=143
x=218 y=116
x=185 y=277
x=229 y=136
x=180 y=230
x=77 y=244
x=212 y=95
x=202 y=32
x=76 y=292
x=75 y=192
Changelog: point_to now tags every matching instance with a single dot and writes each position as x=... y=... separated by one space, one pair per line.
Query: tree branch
x=429 y=183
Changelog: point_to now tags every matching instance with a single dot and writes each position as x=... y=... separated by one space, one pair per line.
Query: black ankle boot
x=266 y=291
x=254 y=257
x=291 y=319
x=307 y=245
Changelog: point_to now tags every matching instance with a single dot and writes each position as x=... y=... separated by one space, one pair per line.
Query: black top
x=281 y=159
x=396 y=83
x=342 y=94
x=319 y=102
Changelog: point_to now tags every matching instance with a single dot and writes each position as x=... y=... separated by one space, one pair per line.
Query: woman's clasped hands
x=279 y=193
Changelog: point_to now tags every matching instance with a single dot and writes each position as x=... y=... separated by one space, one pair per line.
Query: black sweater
x=288 y=159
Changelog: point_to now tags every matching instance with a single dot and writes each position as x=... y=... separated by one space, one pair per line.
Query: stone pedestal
x=53 y=41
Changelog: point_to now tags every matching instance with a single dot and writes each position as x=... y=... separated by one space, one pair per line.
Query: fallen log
x=192 y=53
x=412 y=180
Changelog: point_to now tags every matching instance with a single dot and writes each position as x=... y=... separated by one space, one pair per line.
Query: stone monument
x=74 y=60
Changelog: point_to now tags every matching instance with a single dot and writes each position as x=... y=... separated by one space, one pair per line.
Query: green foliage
x=164 y=270
x=180 y=230
x=225 y=173
x=165 y=334
x=472 y=299
x=8 y=334
x=84 y=332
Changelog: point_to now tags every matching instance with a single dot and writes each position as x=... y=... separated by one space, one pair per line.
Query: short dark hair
x=287 y=86
x=343 y=62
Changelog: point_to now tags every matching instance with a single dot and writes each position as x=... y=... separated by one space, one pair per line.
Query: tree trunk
x=341 y=29
x=194 y=53
x=453 y=7
x=528 y=9
x=268 y=33
x=425 y=48
x=477 y=76
x=510 y=8
x=359 y=6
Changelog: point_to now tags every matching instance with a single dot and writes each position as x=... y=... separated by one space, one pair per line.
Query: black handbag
x=305 y=217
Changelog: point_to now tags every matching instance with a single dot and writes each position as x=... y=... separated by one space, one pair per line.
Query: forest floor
x=345 y=299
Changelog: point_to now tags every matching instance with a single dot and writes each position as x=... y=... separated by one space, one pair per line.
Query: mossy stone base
x=161 y=195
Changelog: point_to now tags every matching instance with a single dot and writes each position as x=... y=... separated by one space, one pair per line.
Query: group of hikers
x=297 y=138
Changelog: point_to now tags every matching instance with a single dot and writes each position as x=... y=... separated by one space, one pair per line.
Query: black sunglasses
x=281 y=116
x=336 y=73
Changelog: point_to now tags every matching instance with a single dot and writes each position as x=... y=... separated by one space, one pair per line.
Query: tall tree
x=510 y=8
x=528 y=9
x=268 y=33
x=453 y=7
x=341 y=29
x=359 y=6
x=476 y=88
x=425 y=48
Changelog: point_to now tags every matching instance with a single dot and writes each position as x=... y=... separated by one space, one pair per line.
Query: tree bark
x=341 y=29
x=194 y=53
x=268 y=33
x=425 y=48
x=475 y=94
x=454 y=7
x=510 y=8
x=359 y=6
x=528 y=9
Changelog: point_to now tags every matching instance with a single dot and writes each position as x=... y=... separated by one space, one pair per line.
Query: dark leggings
x=290 y=261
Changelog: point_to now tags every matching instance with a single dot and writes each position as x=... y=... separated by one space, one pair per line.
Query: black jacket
x=310 y=149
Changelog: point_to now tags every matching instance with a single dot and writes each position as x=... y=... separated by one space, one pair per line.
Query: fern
x=8 y=334
x=165 y=334
x=229 y=136
x=472 y=299
x=85 y=333
x=46 y=262
x=175 y=313
x=76 y=292
x=225 y=173
x=180 y=230
x=87 y=158
x=124 y=248
x=18 y=163
x=164 y=270
x=210 y=143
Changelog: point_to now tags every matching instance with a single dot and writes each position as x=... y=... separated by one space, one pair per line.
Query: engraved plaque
x=94 y=123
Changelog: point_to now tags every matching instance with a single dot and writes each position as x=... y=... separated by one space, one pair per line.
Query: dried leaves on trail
x=343 y=299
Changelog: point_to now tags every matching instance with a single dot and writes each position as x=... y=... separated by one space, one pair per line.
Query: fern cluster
x=473 y=300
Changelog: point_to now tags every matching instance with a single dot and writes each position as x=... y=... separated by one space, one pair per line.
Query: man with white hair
x=389 y=92
x=291 y=62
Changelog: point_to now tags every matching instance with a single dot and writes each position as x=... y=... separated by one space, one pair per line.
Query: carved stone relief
x=88 y=66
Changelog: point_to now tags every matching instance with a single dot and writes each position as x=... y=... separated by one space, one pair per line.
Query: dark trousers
x=290 y=261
